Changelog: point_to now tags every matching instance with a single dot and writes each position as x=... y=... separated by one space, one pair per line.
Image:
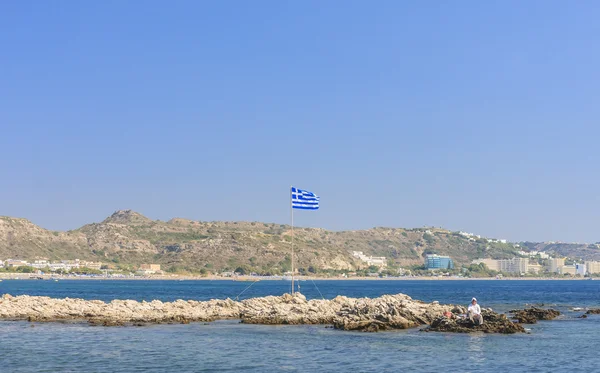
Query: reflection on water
x=230 y=346
x=475 y=349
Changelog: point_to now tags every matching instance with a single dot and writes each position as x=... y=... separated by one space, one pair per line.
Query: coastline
x=33 y=277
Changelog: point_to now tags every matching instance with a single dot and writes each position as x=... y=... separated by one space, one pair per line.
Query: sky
x=468 y=115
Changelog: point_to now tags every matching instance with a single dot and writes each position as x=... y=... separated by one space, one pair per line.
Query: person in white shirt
x=474 y=312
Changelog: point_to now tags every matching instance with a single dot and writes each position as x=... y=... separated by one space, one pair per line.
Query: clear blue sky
x=472 y=115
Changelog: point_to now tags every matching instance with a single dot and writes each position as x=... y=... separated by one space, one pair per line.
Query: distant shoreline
x=26 y=276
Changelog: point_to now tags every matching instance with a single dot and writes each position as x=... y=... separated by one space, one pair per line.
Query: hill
x=127 y=237
x=561 y=249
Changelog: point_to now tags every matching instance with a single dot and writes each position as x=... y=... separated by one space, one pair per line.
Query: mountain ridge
x=128 y=237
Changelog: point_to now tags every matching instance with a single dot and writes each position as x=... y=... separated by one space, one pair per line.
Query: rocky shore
x=492 y=323
x=365 y=314
x=533 y=314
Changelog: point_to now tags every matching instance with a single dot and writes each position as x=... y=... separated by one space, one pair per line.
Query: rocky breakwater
x=387 y=312
x=116 y=312
x=364 y=314
x=288 y=309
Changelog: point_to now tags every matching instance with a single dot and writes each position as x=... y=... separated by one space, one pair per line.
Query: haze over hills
x=127 y=237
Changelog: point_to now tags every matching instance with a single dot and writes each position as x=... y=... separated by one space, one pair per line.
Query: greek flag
x=305 y=200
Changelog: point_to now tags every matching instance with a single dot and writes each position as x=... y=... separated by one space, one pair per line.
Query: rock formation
x=533 y=314
x=116 y=312
x=365 y=314
x=492 y=323
x=383 y=313
x=386 y=312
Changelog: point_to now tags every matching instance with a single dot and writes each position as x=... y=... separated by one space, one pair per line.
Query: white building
x=14 y=263
x=568 y=270
x=580 y=269
x=535 y=268
x=592 y=266
x=554 y=264
x=470 y=236
x=379 y=261
x=492 y=264
x=40 y=264
x=514 y=265
x=530 y=254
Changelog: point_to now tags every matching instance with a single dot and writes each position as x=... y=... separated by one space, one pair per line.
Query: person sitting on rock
x=474 y=312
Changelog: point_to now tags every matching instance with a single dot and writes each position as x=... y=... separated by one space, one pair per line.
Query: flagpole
x=292 y=214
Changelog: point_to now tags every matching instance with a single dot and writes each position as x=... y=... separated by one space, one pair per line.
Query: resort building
x=491 y=264
x=514 y=265
x=92 y=265
x=39 y=264
x=592 y=267
x=554 y=264
x=535 y=268
x=580 y=269
x=542 y=254
x=150 y=267
x=12 y=263
x=568 y=270
x=379 y=261
x=433 y=261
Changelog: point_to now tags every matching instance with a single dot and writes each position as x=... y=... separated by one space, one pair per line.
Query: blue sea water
x=568 y=343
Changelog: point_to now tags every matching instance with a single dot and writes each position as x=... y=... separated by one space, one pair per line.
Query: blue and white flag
x=305 y=200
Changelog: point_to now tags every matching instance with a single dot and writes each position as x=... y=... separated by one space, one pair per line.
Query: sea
x=568 y=343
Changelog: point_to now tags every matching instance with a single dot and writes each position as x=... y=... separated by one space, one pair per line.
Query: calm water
x=565 y=344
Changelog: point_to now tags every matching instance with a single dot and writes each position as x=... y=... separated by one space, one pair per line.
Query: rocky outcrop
x=116 y=312
x=533 y=314
x=362 y=314
x=593 y=311
x=492 y=323
x=288 y=309
x=386 y=312
x=127 y=217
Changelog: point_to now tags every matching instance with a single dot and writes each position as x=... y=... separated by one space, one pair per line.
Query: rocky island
x=387 y=312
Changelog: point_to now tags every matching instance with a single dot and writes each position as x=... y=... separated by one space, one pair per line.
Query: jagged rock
x=533 y=314
x=386 y=312
x=584 y=316
x=593 y=311
x=365 y=314
x=116 y=312
x=289 y=309
x=492 y=323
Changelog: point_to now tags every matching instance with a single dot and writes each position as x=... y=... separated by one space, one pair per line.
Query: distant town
x=525 y=264
x=528 y=263
x=74 y=267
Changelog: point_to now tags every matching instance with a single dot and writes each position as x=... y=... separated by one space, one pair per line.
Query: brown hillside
x=129 y=237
